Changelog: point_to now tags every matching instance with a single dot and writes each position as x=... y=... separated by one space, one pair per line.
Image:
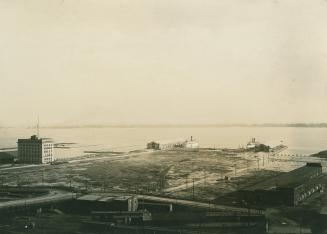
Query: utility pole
x=38 y=126
x=247 y=165
x=162 y=182
x=205 y=179
x=42 y=175
x=234 y=169
x=193 y=188
x=258 y=163
x=263 y=160
x=26 y=207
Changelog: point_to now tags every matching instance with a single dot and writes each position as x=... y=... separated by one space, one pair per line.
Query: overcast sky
x=163 y=61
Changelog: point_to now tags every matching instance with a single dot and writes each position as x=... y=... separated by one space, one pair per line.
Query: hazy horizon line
x=310 y=125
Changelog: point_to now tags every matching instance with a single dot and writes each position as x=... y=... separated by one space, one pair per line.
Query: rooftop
x=290 y=179
x=101 y=198
x=35 y=138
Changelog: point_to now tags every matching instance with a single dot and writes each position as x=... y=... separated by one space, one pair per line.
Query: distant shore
x=321 y=154
x=291 y=125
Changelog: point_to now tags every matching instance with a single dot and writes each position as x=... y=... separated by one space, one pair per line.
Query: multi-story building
x=35 y=150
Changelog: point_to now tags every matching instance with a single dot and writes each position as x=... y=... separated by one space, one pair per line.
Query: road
x=22 y=166
x=53 y=196
x=124 y=156
x=83 y=159
x=196 y=204
x=187 y=185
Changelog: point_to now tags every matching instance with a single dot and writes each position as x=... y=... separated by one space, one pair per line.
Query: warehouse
x=163 y=145
x=289 y=188
x=93 y=202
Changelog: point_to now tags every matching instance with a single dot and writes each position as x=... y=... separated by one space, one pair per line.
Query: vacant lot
x=203 y=175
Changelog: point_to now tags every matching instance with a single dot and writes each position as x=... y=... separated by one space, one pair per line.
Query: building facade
x=35 y=150
x=153 y=145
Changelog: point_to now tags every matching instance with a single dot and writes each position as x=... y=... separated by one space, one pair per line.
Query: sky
x=162 y=61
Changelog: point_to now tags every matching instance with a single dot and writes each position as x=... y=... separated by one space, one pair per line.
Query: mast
x=38 y=127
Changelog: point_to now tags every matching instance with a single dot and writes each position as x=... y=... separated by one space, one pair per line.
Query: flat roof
x=122 y=198
x=105 y=199
x=89 y=197
x=101 y=198
x=36 y=140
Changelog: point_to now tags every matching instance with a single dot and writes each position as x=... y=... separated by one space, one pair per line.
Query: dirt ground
x=203 y=175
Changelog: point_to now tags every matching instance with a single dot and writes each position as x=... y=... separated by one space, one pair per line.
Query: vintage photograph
x=163 y=116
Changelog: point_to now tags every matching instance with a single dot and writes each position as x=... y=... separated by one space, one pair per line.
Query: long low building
x=289 y=188
x=163 y=145
x=96 y=202
x=190 y=144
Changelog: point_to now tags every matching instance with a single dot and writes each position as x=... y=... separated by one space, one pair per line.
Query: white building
x=35 y=150
x=191 y=144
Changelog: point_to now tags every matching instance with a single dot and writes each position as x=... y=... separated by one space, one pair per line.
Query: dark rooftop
x=291 y=179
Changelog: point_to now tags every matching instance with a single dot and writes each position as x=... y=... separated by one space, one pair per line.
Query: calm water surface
x=299 y=140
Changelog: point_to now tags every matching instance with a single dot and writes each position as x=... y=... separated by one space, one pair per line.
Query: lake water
x=302 y=141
